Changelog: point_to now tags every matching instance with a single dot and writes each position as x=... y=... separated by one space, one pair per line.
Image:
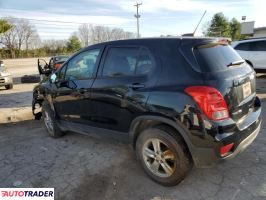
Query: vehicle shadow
x=84 y=167
x=260 y=75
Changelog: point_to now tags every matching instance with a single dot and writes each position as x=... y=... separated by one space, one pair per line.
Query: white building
x=259 y=32
x=247 y=28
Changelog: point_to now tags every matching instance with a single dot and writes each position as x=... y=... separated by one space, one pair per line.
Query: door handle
x=135 y=86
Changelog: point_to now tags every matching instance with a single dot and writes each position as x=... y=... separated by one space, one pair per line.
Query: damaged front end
x=37 y=105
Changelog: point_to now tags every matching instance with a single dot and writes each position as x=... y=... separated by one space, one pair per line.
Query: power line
x=137 y=16
x=56 y=21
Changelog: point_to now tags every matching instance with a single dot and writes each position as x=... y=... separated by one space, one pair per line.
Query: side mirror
x=43 y=67
x=68 y=84
x=53 y=78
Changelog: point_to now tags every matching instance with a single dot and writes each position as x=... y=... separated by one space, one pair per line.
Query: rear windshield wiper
x=239 y=62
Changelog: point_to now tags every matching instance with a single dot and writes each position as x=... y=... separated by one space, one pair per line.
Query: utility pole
x=137 y=16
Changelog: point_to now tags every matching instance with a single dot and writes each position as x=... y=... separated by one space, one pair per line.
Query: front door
x=73 y=87
x=258 y=54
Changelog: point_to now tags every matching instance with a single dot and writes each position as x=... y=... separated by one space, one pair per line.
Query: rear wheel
x=50 y=121
x=9 y=87
x=163 y=155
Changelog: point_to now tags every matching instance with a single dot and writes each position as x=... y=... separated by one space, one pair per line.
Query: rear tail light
x=225 y=149
x=210 y=101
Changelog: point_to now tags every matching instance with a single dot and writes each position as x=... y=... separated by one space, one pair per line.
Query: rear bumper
x=245 y=143
x=241 y=134
x=207 y=157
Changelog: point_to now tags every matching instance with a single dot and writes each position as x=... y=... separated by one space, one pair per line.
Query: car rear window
x=215 y=56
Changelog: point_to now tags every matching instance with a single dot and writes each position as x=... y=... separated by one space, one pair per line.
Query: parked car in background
x=179 y=101
x=253 y=50
x=54 y=63
x=6 y=79
x=2 y=63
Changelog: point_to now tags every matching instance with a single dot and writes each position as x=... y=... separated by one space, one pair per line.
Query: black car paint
x=114 y=104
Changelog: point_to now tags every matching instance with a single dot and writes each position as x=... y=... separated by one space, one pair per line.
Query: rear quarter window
x=213 y=57
x=242 y=46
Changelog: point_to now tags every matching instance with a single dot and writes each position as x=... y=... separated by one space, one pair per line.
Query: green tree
x=73 y=44
x=235 y=29
x=4 y=26
x=219 y=26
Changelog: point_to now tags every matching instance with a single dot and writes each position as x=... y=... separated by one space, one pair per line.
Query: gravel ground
x=86 y=167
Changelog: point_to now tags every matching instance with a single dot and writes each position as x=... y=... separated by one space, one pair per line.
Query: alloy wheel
x=159 y=158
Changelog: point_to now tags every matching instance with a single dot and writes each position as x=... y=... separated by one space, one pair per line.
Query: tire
x=9 y=87
x=37 y=115
x=50 y=121
x=174 y=156
x=30 y=79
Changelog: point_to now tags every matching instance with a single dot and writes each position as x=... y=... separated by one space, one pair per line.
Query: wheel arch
x=250 y=63
x=144 y=122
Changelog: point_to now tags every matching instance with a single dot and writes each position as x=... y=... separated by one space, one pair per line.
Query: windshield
x=216 y=57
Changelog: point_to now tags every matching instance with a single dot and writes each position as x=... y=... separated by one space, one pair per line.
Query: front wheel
x=50 y=121
x=163 y=155
x=9 y=87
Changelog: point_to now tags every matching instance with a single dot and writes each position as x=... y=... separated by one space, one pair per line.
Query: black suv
x=179 y=101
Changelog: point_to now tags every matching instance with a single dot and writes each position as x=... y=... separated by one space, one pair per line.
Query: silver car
x=6 y=79
x=253 y=50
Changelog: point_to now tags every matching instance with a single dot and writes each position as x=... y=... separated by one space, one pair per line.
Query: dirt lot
x=23 y=66
x=85 y=167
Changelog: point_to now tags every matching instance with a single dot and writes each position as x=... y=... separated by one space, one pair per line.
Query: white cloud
x=182 y=5
x=172 y=15
x=258 y=13
x=99 y=20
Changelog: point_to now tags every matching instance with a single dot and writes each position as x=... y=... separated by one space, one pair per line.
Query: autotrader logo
x=27 y=193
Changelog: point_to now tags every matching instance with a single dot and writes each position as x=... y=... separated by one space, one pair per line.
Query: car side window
x=243 y=46
x=258 y=46
x=144 y=63
x=82 y=66
x=126 y=61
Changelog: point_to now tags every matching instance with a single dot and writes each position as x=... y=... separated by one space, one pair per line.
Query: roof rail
x=253 y=38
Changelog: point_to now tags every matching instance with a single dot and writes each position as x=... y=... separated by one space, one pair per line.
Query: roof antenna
x=192 y=34
x=199 y=22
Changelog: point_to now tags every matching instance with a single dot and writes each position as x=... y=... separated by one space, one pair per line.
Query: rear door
x=258 y=54
x=225 y=70
x=243 y=49
x=121 y=88
x=254 y=51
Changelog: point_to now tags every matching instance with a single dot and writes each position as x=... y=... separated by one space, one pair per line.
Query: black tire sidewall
x=183 y=163
x=8 y=87
x=56 y=132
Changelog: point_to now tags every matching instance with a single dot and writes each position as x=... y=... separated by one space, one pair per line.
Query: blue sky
x=158 y=17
